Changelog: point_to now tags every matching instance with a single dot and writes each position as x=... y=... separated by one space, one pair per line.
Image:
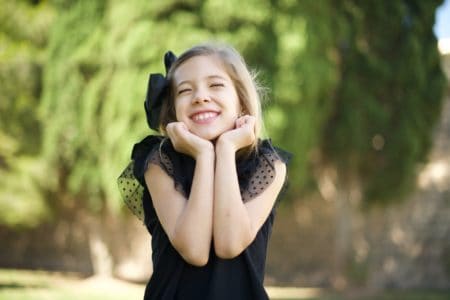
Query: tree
x=384 y=108
x=23 y=34
x=389 y=96
x=356 y=90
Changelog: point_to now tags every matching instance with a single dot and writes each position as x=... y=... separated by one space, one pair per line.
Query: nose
x=200 y=96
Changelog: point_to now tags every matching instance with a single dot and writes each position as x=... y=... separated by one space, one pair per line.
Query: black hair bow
x=157 y=92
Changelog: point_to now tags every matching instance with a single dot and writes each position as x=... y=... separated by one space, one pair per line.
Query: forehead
x=200 y=67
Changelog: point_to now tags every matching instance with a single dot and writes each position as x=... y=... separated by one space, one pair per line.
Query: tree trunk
x=102 y=261
x=345 y=194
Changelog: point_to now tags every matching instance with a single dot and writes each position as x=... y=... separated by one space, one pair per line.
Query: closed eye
x=217 y=84
x=183 y=91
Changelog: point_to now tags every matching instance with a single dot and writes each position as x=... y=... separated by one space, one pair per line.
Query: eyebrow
x=207 y=77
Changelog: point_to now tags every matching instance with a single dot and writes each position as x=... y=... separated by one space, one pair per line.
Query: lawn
x=40 y=285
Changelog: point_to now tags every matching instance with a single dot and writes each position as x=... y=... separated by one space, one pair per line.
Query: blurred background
x=358 y=93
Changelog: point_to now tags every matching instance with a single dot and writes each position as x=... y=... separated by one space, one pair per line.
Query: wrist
x=225 y=146
x=206 y=153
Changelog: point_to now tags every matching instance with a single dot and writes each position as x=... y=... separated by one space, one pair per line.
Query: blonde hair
x=247 y=88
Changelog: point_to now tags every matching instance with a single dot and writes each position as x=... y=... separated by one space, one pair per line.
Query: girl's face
x=205 y=97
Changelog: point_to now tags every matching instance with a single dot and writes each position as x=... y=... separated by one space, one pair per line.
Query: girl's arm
x=236 y=223
x=187 y=223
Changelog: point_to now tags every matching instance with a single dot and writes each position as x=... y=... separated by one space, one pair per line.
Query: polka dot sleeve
x=262 y=177
x=155 y=150
x=131 y=191
x=131 y=181
x=258 y=173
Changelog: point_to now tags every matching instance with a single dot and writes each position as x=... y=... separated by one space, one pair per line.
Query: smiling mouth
x=204 y=117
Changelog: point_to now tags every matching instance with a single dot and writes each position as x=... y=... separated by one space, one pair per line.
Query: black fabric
x=238 y=278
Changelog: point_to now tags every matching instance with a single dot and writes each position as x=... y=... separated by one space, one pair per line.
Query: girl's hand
x=186 y=142
x=243 y=135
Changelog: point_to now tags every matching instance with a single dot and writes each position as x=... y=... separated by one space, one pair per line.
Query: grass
x=40 y=285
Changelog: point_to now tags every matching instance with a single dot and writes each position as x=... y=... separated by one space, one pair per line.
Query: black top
x=173 y=278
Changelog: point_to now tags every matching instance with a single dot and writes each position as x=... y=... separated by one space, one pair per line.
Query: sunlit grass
x=36 y=285
x=40 y=285
x=293 y=293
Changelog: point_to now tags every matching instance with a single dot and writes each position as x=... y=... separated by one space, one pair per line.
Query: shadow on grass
x=14 y=285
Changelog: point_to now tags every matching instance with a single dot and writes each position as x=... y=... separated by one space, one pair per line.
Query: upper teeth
x=203 y=116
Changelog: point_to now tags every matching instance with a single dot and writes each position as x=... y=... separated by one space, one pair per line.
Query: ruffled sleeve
x=257 y=172
x=157 y=150
x=131 y=191
x=131 y=181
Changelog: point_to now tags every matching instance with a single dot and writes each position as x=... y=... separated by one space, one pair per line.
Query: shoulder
x=273 y=153
x=157 y=158
x=263 y=168
x=142 y=148
x=141 y=153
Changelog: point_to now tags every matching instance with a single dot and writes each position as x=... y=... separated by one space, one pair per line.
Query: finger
x=169 y=130
x=237 y=123
x=174 y=131
x=251 y=120
x=183 y=127
x=177 y=134
x=240 y=122
x=247 y=121
x=182 y=130
x=169 y=126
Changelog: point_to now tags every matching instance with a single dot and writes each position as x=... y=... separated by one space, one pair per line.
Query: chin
x=208 y=135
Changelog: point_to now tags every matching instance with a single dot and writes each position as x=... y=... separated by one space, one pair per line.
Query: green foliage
x=22 y=202
x=94 y=85
x=390 y=90
x=304 y=81
x=355 y=85
x=23 y=36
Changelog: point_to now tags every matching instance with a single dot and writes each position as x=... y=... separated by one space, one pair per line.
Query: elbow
x=230 y=249
x=195 y=256
x=228 y=252
x=195 y=259
x=193 y=251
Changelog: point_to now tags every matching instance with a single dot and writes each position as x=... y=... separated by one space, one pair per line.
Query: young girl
x=207 y=187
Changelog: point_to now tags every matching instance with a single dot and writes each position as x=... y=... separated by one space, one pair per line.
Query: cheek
x=239 y=107
x=178 y=109
x=236 y=102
